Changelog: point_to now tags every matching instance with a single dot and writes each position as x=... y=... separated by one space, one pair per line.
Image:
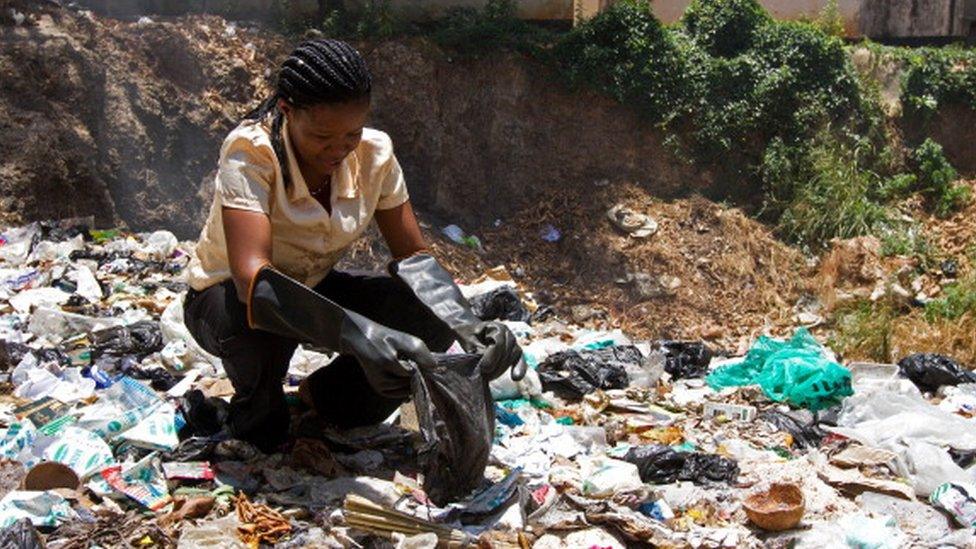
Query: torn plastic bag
x=139 y=339
x=930 y=371
x=21 y=535
x=799 y=371
x=805 y=434
x=686 y=359
x=663 y=465
x=502 y=303
x=912 y=428
x=457 y=422
x=574 y=374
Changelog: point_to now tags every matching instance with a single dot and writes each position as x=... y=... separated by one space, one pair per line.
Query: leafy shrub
x=938 y=76
x=472 y=31
x=627 y=54
x=957 y=300
x=724 y=28
x=937 y=178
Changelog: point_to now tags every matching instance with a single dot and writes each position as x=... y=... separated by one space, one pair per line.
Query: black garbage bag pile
x=574 y=374
x=930 y=371
x=662 y=464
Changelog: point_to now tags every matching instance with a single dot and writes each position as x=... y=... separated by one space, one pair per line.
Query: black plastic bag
x=457 y=422
x=502 y=303
x=686 y=359
x=20 y=535
x=962 y=458
x=574 y=374
x=930 y=371
x=193 y=449
x=805 y=435
x=139 y=339
x=661 y=464
x=205 y=416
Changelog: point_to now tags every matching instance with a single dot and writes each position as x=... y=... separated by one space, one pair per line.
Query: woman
x=298 y=182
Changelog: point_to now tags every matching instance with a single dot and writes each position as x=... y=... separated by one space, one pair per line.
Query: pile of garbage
x=111 y=437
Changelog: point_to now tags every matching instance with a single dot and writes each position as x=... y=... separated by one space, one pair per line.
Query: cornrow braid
x=317 y=71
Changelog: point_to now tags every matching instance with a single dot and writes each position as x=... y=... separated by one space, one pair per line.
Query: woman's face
x=322 y=135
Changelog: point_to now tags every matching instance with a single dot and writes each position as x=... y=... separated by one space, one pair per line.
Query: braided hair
x=317 y=71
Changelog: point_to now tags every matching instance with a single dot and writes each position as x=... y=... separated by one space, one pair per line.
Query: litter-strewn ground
x=611 y=441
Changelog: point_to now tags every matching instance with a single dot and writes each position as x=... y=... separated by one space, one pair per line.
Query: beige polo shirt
x=306 y=240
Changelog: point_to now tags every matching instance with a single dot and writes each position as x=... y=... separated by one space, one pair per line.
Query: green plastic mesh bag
x=797 y=371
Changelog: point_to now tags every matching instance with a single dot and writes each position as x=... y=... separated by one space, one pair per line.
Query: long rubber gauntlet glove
x=435 y=288
x=283 y=306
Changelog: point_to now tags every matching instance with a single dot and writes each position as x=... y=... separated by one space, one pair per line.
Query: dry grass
x=956 y=338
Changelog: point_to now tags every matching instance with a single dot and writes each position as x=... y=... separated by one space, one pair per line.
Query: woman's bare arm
x=401 y=230
x=248 y=236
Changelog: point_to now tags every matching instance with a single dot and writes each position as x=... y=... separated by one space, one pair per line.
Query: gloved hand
x=284 y=306
x=435 y=288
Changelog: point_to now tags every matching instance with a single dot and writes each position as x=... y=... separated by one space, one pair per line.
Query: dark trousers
x=256 y=361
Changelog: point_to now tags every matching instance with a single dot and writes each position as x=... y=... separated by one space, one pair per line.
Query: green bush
x=626 y=53
x=937 y=77
x=472 y=31
x=957 y=300
x=936 y=179
x=724 y=28
x=376 y=20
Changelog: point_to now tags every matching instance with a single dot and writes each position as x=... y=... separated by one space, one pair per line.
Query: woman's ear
x=284 y=107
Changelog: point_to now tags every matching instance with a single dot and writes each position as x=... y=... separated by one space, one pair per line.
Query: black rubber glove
x=435 y=288
x=283 y=306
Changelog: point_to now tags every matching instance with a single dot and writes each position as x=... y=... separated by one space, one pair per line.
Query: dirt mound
x=124 y=120
x=120 y=120
x=734 y=279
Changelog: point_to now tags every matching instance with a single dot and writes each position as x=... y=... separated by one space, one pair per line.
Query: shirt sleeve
x=244 y=176
x=393 y=191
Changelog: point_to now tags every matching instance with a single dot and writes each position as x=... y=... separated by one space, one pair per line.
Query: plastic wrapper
x=17 y=441
x=40 y=508
x=156 y=431
x=457 y=422
x=142 y=481
x=603 y=476
x=574 y=374
x=82 y=450
x=661 y=464
x=798 y=371
x=959 y=500
x=188 y=470
x=929 y=372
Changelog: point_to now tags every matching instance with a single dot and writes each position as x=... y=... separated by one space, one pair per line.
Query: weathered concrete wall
x=874 y=18
x=231 y=9
x=560 y=10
